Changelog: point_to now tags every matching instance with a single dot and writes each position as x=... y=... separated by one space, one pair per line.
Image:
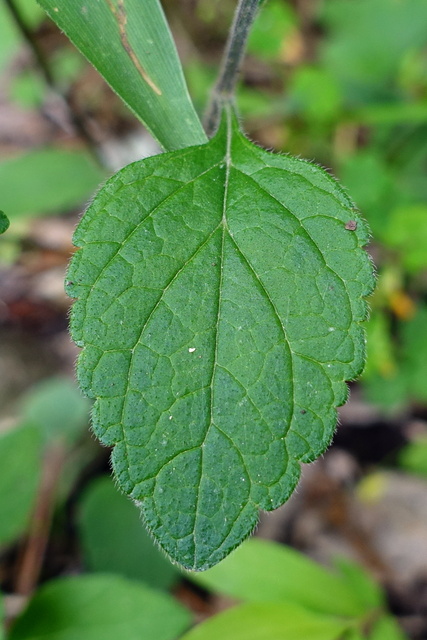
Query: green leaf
x=366 y=66
x=273 y=26
x=20 y=454
x=57 y=408
x=129 y=43
x=413 y=457
x=262 y=571
x=407 y=232
x=360 y=582
x=4 y=222
x=55 y=181
x=387 y=628
x=267 y=622
x=104 y=607
x=220 y=290
x=113 y=539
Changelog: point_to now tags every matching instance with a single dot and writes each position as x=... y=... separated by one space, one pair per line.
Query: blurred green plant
x=286 y=595
x=113 y=540
x=413 y=457
x=100 y=607
x=52 y=412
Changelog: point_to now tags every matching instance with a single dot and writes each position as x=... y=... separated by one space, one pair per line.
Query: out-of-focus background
x=341 y=82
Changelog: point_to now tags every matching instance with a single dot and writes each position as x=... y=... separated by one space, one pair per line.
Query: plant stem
x=32 y=42
x=225 y=85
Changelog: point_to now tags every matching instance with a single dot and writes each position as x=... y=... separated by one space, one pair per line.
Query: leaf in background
x=4 y=222
x=114 y=541
x=315 y=94
x=130 y=44
x=104 y=607
x=406 y=231
x=220 y=290
x=271 y=31
x=365 y=66
x=360 y=582
x=57 y=408
x=372 y=184
x=263 y=571
x=381 y=356
x=387 y=628
x=55 y=181
x=413 y=457
x=268 y=622
x=20 y=455
x=414 y=352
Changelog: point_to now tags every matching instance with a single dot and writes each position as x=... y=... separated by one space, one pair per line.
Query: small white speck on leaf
x=191 y=349
x=170 y=417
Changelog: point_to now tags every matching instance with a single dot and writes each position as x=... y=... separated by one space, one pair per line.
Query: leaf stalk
x=234 y=52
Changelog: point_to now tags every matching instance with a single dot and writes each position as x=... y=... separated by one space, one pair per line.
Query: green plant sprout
x=220 y=291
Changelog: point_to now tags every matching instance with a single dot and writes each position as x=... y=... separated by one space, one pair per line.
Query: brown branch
x=31 y=559
x=119 y=13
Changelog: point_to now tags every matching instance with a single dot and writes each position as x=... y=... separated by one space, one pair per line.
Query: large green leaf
x=130 y=44
x=102 y=607
x=262 y=571
x=220 y=290
x=269 y=622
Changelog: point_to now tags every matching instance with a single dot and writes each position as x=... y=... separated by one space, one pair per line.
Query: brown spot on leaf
x=119 y=13
x=351 y=225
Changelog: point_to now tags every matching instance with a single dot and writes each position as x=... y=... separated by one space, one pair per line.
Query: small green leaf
x=104 y=607
x=413 y=457
x=20 y=457
x=129 y=43
x=4 y=222
x=55 y=181
x=113 y=539
x=268 y=622
x=262 y=571
x=387 y=628
x=360 y=582
x=57 y=408
x=272 y=28
x=407 y=232
x=220 y=290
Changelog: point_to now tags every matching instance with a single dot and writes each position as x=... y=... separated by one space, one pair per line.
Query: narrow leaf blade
x=220 y=294
x=130 y=44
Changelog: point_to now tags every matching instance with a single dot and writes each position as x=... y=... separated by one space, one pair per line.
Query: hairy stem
x=225 y=85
